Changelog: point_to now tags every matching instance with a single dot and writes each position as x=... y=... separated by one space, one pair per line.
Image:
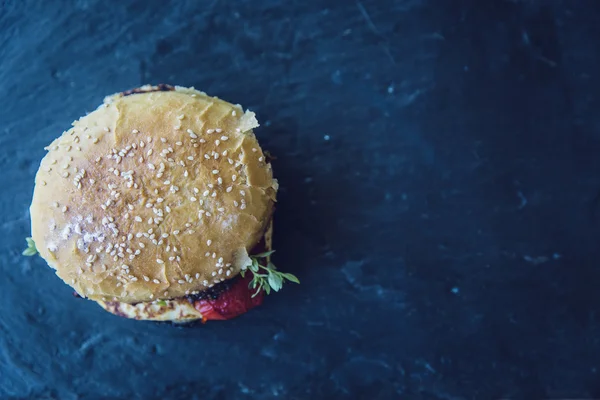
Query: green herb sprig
x=31 y=250
x=267 y=277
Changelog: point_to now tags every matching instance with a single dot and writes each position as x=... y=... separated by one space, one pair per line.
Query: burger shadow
x=303 y=223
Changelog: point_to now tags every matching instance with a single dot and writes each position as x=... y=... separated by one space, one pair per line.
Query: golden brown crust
x=151 y=195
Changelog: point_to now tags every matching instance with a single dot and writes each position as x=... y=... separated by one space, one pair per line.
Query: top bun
x=160 y=192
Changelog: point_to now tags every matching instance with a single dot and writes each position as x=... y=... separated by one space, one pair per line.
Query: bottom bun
x=234 y=301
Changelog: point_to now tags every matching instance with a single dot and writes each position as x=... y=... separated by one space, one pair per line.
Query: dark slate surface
x=440 y=173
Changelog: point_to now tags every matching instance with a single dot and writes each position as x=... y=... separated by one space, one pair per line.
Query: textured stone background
x=440 y=175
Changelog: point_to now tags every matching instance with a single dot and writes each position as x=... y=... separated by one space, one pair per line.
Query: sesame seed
x=158 y=260
x=233 y=113
x=181 y=281
x=220 y=209
x=193 y=198
x=130 y=236
x=209 y=131
x=254 y=149
x=214 y=194
x=180 y=117
x=146 y=278
x=178 y=143
x=164 y=140
x=64 y=209
x=220 y=180
x=210 y=185
x=165 y=235
x=176 y=232
x=214 y=273
x=217 y=142
x=206 y=192
x=224 y=138
x=149 y=152
x=157 y=281
x=208 y=214
x=185 y=173
x=106 y=129
x=160 y=200
x=192 y=134
x=135 y=131
x=43 y=183
x=167 y=209
x=139 y=235
x=208 y=242
x=243 y=206
x=230 y=161
x=218 y=130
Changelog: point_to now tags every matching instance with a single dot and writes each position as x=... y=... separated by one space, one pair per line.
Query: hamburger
x=158 y=206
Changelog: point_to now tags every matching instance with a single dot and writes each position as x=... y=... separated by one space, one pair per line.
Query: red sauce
x=234 y=302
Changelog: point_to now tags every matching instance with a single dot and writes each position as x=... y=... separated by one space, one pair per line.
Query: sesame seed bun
x=177 y=310
x=159 y=193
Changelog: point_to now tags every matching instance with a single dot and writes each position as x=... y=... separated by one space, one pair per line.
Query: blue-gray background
x=439 y=165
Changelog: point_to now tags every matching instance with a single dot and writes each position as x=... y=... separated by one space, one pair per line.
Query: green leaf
x=275 y=281
x=270 y=278
x=254 y=266
x=31 y=249
x=29 y=252
x=264 y=255
x=161 y=303
x=290 y=277
x=243 y=273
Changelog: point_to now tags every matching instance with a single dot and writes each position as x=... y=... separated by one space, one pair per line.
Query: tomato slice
x=232 y=303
